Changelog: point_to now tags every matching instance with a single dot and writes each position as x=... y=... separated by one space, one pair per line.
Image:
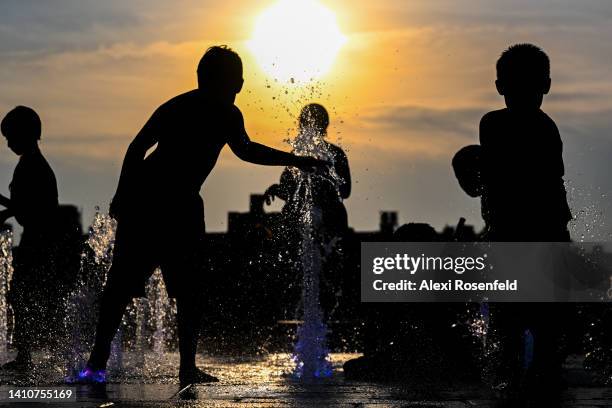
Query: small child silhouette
x=522 y=163
x=467 y=167
x=33 y=202
x=328 y=190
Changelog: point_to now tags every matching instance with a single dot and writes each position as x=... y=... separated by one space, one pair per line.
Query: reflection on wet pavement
x=265 y=381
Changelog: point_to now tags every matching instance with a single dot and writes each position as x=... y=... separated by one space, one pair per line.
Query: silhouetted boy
x=159 y=210
x=522 y=162
x=34 y=204
x=524 y=199
x=328 y=189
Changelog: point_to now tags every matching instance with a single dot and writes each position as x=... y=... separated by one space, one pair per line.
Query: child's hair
x=23 y=122
x=220 y=63
x=523 y=58
x=315 y=116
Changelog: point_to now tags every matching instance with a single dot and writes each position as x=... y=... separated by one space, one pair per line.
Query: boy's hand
x=307 y=163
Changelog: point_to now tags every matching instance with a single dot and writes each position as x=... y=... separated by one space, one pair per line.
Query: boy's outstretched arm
x=254 y=152
x=257 y=153
x=144 y=140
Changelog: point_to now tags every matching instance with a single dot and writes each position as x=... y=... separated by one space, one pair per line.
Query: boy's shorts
x=176 y=247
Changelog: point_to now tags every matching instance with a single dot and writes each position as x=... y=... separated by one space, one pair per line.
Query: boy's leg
x=547 y=331
x=112 y=308
x=23 y=299
x=133 y=262
x=183 y=275
x=507 y=329
x=183 y=266
x=189 y=317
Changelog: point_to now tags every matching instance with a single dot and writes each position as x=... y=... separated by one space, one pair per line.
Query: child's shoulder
x=194 y=101
x=547 y=120
x=494 y=117
x=491 y=123
x=179 y=101
x=32 y=165
x=335 y=149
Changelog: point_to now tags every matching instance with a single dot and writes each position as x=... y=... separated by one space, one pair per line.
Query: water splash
x=588 y=203
x=160 y=309
x=598 y=341
x=487 y=346
x=140 y=338
x=311 y=355
x=144 y=326
x=82 y=303
x=101 y=238
x=6 y=272
x=479 y=324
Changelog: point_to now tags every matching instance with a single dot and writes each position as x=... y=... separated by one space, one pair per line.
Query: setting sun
x=296 y=39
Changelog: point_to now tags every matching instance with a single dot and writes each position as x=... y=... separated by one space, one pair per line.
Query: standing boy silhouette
x=524 y=199
x=33 y=202
x=159 y=210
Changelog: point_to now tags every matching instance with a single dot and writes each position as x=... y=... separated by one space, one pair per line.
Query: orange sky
x=405 y=92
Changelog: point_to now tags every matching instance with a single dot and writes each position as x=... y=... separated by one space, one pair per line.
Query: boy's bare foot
x=195 y=376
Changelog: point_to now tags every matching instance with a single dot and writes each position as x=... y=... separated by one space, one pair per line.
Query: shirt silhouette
x=523 y=175
x=34 y=197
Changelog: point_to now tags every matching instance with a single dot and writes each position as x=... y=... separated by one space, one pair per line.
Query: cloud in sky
x=408 y=90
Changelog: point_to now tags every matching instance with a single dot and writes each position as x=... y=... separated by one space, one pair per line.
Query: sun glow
x=296 y=39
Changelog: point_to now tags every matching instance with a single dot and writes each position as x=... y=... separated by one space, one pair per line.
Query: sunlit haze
x=296 y=39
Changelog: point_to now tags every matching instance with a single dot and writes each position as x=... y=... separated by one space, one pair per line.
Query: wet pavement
x=263 y=382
